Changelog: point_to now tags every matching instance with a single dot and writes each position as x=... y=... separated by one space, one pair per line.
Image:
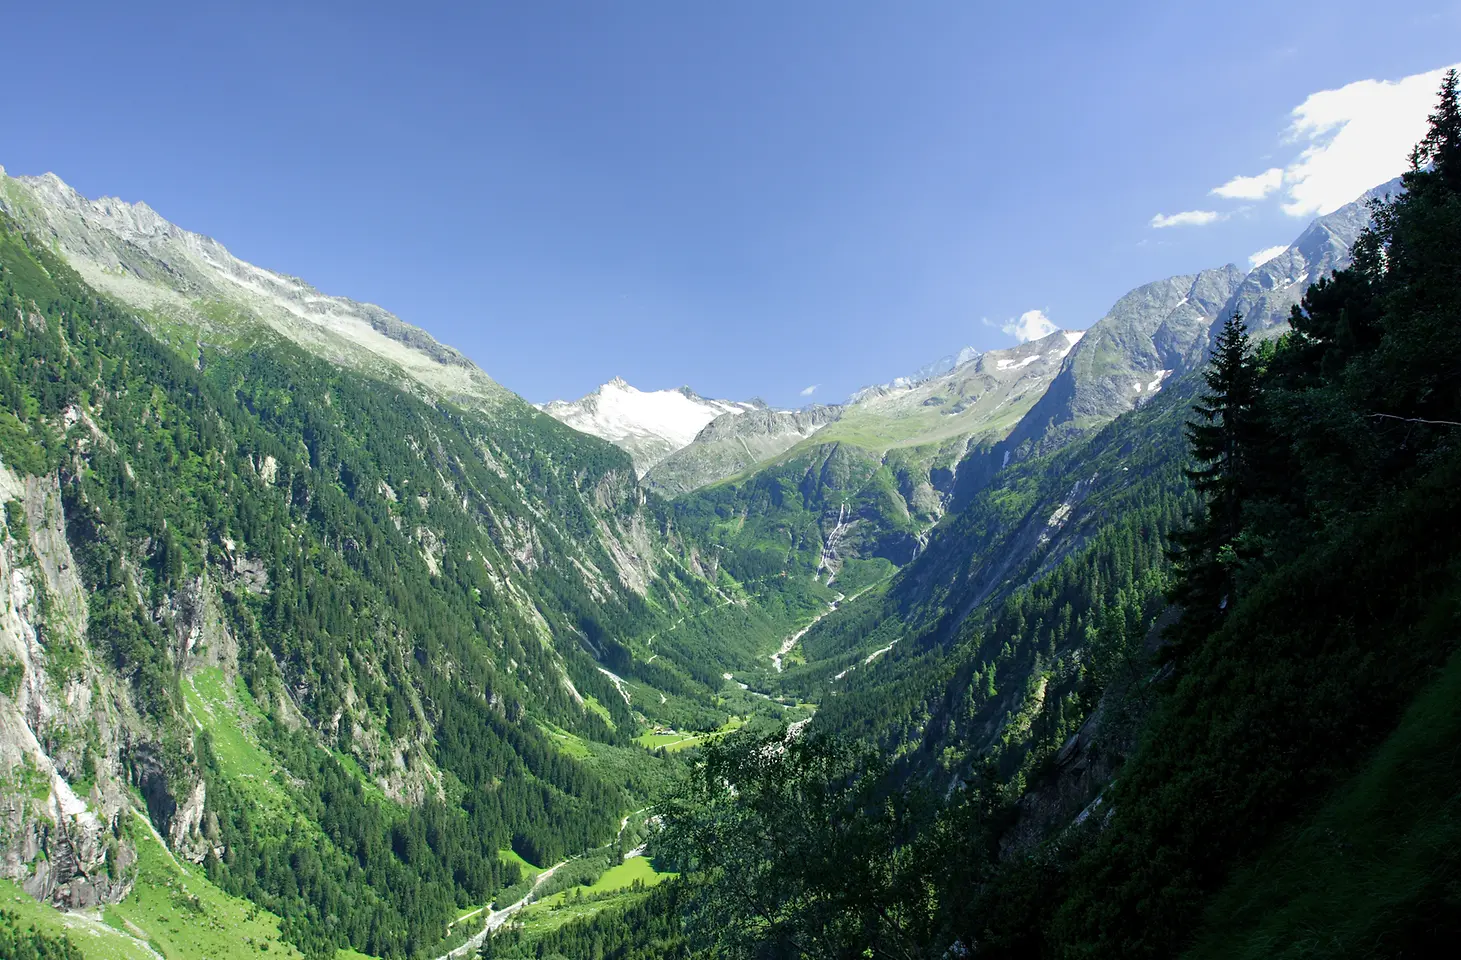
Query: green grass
x=184 y=917
x=1377 y=872
x=592 y=703
x=542 y=918
x=652 y=740
x=625 y=875
x=512 y=856
x=172 y=908
x=615 y=888
x=570 y=744
x=96 y=940
x=674 y=742
x=227 y=712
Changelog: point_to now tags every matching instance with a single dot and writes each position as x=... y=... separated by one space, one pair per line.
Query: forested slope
x=1159 y=778
x=330 y=636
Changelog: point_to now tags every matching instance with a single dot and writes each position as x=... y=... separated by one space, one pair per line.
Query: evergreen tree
x=1442 y=143
x=1218 y=440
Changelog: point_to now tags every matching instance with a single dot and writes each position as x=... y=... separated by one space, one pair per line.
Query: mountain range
x=303 y=610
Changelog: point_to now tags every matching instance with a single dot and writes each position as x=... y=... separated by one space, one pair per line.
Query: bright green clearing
x=625 y=875
x=185 y=917
x=177 y=915
x=684 y=741
x=96 y=940
x=227 y=712
x=613 y=890
x=512 y=856
x=570 y=744
x=652 y=741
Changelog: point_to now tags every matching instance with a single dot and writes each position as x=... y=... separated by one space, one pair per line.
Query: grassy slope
x=880 y=429
x=684 y=741
x=615 y=889
x=1385 y=850
x=183 y=916
x=96 y=940
x=172 y=910
x=227 y=711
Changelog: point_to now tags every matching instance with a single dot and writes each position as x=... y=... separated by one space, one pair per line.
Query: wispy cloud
x=1263 y=256
x=1251 y=188
x=1355 y=138
x=1187 y=218
x=808 y=391
x=1030 y=325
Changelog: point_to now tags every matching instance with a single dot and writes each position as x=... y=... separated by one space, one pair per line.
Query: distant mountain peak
x=924 y=373
x=648 y=424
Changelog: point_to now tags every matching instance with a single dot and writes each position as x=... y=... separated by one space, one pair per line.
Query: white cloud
x=1263 y=256
x=808 y=391
x=1030 y=325
x=1355 y=138
x=1187 y=218
x=1251 y=188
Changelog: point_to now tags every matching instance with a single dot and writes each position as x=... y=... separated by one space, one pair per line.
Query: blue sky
x=751 y=197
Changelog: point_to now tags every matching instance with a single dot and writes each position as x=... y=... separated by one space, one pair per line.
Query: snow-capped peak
x=649 y=424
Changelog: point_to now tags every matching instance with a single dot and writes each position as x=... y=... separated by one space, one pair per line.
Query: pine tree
x=1442 y=144
x=1218 y=438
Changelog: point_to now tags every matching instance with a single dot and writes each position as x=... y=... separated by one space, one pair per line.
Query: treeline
x=1035 y=598
x=31 y=943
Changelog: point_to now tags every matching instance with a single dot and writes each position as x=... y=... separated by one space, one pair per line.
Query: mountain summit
x=649 y=425
x=192 y=290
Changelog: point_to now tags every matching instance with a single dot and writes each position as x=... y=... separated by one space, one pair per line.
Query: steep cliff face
x=63 y=725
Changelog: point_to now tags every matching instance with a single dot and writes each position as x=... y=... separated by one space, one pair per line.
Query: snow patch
x=878 y=653
x=1072 y=337
x=618 y=412
x=1017 y=364
x=618 y=683
x=1156 y=383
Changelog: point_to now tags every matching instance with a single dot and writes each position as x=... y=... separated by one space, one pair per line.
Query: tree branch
x=1391 y=416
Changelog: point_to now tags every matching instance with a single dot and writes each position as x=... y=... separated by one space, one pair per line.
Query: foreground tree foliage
x=1322 y=592
x=796 y=846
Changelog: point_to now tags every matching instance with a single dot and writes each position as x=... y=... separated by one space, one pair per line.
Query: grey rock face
x=58 y=845
x=1157 y=331
x=732 y=443
x=1268 y=294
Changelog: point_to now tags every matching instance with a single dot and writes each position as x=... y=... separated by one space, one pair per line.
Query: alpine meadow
x=1137 y=638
